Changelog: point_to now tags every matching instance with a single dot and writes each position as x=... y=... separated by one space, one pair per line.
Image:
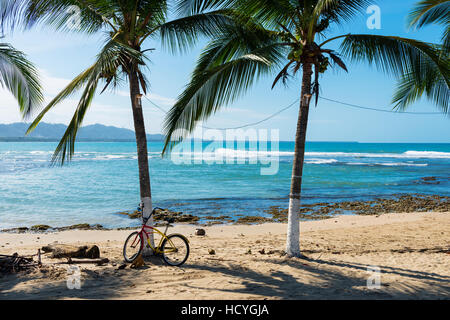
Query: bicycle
x=174 y=248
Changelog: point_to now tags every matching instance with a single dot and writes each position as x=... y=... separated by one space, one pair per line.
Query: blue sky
x=60 y=57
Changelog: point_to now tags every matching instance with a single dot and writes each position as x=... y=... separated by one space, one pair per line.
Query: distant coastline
x=50 y=132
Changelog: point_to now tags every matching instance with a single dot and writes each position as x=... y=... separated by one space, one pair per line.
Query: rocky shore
x=315 y=211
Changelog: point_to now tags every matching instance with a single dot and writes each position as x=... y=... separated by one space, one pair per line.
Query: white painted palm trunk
x=293 y=230
x=147 y=210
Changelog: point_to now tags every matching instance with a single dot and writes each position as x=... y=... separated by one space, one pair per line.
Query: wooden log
x=98 y=261
x=70 y=251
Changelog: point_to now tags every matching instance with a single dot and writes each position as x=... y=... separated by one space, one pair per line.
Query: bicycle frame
x=157 y=249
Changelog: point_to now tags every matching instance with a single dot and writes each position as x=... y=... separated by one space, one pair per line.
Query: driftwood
x=16 y=263
x=99 y=261
x=69 y=251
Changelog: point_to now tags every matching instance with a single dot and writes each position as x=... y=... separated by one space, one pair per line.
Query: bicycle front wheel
x=175 y=250
x=133 y=247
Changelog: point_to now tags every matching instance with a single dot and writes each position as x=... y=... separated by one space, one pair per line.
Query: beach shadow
x=94 y=285
x=323 y=282
x=287 y=278
x=282 y=285
x=413 y=274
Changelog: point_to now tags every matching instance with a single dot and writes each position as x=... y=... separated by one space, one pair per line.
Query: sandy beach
x=412 y=251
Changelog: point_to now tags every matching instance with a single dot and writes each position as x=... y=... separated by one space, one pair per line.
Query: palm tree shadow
x=93 y=285
x=413 y=274
x=321 y=283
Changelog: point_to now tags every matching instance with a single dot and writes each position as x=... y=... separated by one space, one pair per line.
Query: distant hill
x=54 y=132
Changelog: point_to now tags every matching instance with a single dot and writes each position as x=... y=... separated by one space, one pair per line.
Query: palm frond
x=340 y=10
x=430 y=81
x=24 y=14
x=412 y=61
x=20 y=77
x=283 y=75
x=113 y=56
x=337 y=60
x=181 y=34
x=269 y=12
x=192 y=7
x=393 y=55
x=214 y=87
x=428 y=12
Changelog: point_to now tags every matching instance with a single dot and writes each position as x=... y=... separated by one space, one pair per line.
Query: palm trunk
x=142 y=152
x=293 y=232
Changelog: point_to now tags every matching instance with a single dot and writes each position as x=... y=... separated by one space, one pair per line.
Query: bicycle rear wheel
x=175 y=250
x=133 y=247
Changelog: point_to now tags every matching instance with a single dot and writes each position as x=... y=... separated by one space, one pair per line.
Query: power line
x=261 y=121
x=379 y=110
x=296 y=101
x=239 y=127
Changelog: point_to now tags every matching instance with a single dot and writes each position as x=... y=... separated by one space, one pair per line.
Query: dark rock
x=40 y=227
x=93 y=252
x=200 y=232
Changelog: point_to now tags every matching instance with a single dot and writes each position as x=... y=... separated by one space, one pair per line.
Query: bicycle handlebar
x=151 y=214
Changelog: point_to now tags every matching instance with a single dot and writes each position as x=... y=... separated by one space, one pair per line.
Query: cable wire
x=296 y=101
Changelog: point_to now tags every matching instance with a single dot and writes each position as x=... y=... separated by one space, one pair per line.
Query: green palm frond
x=19 y=76
x=182 y=33
x=214 y=85
x=66 y=146
x=113 y=56
x=429 y=12
x=414 y=62
x=340 y=10
x=429 y=80
x=271 y=13
x=94 y=14
x=227 y=68
x=393 y=55
x=191 y=7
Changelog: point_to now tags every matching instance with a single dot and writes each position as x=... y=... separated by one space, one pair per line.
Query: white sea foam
x=232 y=153
x=388 y=164
x=400 y=164
x=227 y=153
x=405 y=155
x=321 y=161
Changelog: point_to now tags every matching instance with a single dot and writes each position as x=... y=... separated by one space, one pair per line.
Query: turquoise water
x=102 y=179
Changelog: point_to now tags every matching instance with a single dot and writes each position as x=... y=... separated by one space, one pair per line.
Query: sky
x=60 y=57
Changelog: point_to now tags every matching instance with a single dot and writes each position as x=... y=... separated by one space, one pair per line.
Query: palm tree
x=20 y=77
x=127 y=26
x=290 y=35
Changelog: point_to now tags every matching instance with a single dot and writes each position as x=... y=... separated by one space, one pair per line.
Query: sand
x=412 y=251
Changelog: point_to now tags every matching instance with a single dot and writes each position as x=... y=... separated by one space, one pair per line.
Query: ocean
x=102 y=180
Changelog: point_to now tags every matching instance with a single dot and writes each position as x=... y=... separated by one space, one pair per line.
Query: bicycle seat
x=169 y=220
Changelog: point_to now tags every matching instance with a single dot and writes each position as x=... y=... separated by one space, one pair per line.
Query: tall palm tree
x=20 y=77
x=291 y=36
x=127 y=26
